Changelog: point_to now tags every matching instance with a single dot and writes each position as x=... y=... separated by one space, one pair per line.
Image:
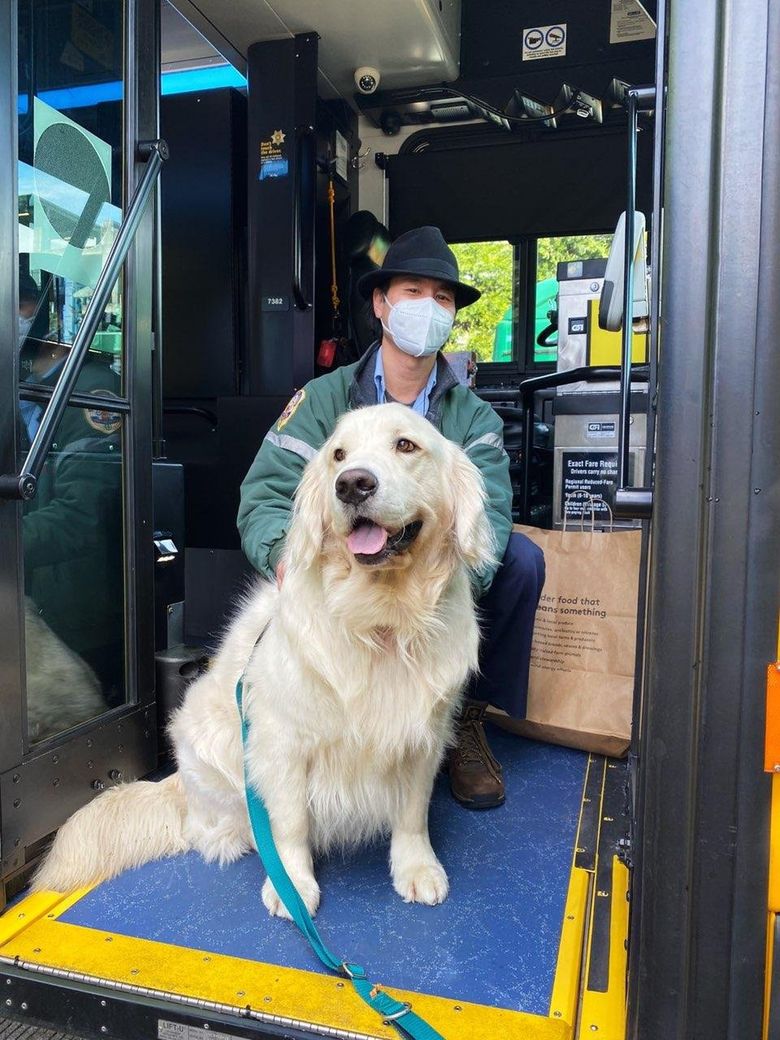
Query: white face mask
x=25 y=324
x=418 y=327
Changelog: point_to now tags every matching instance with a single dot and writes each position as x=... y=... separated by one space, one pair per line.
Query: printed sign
x=592 y=472
x=273 y=156
x=544 y=41
x=342 y=156
x=600 y=430
x=629 y=21
x=277 y=302
x=578 y=326
x=167 y=1030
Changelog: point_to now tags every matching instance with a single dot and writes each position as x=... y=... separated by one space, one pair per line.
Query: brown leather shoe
x=476 y=780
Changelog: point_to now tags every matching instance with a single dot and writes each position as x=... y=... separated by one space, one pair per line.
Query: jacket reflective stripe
x=283 y=440
x=493 y=439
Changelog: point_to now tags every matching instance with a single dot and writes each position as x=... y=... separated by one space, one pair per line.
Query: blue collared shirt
x=32 y=411
x=420 y=405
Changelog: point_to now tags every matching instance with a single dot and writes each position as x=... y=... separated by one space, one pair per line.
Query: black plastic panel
x=492 y=41
x=554 y=186
x=41 y=793
x=204 y=231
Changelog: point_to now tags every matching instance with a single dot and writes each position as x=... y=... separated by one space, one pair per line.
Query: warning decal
x=629 y=21
x=544 y=41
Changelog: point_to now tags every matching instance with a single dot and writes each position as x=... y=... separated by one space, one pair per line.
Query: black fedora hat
x=423 y=252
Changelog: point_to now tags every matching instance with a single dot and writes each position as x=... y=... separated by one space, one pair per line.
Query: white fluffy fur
x=350 y=693
x=62 y=689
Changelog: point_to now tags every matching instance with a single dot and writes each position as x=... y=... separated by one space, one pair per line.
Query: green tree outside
x=489 y=266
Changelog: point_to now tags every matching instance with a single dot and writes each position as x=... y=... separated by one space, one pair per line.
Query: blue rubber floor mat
x=494 y=941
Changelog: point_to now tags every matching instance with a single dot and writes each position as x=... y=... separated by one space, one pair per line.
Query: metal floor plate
x=13 y=1030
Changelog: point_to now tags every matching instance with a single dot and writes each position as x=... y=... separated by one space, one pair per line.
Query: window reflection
x=69 y=173
x=73 y=563
x=70 y=132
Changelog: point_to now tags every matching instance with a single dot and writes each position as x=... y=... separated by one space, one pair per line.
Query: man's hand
x=280 y=569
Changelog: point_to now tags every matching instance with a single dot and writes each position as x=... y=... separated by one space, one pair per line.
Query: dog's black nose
x=355 y=486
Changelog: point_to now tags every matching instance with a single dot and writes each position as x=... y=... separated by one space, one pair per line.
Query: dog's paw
x=425 y=883
x=309 y=892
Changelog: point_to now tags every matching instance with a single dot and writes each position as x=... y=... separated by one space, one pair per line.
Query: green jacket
x=310 y=418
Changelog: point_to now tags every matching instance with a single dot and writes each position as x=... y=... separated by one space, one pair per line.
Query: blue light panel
x=181 y=81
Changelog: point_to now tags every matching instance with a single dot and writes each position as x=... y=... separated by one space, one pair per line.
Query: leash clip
x=389 y=1019
x=353 y=971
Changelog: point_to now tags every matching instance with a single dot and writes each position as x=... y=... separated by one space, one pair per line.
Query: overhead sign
x=544 y=41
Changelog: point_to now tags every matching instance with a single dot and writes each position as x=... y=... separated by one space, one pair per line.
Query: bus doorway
x=611 y=896
x=78 y=706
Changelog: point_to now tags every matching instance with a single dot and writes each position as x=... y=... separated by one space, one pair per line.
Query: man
x=415 y=296
x=72 y=528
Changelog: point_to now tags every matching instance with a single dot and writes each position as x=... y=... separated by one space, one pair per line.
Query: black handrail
x=23 y=485
x=301 y=147
x=530 y=387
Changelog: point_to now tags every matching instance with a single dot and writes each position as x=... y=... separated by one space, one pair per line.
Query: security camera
x=391 y=122
x=367 y=79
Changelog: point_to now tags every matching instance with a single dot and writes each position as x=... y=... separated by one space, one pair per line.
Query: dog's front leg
x=417 y=875
x=283 y=788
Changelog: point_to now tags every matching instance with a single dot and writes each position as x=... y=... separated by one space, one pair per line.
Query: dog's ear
x=304 y=539
x=473 y=534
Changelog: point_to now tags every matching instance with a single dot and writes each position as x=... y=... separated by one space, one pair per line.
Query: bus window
x=549 y=253
x=491 y=266
x=487 y=327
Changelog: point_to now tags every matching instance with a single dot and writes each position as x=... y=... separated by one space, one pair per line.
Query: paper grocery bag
x=581 y=681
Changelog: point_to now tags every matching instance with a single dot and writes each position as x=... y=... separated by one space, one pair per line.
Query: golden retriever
x=350 y=691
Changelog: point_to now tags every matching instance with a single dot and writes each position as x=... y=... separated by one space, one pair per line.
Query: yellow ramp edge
x=568 y=970
x=317 y=999
x=604 y=1014
x=40 y=904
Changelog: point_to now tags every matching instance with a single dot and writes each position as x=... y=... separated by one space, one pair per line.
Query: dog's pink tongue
x=367 y=539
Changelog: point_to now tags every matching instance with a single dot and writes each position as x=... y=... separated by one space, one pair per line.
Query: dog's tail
x=125 y=827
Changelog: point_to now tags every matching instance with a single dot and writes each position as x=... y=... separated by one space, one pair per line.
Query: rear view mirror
x=611 y=302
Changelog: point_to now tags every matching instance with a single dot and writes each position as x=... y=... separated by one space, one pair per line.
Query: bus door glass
x=70 y=162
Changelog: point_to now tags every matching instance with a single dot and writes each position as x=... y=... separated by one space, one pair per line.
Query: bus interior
x=192 y=191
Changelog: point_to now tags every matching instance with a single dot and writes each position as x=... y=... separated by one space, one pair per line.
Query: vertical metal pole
x=630 y=502
x=528 y=447
x=158 y=438
x=12 y=652
x=656 y=232
x=624 y=433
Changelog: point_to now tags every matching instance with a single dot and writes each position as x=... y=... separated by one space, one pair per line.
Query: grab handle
x=302 y=302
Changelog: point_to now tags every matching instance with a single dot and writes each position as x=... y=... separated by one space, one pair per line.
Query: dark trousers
x=507 y=612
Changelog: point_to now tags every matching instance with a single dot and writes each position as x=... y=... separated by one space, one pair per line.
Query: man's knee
x=524 y=562
x=522 y=567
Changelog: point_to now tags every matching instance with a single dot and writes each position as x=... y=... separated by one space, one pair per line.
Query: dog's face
x=387 y=487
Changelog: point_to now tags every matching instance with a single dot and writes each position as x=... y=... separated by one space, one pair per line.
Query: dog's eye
x=339 y=454
x=405 y=446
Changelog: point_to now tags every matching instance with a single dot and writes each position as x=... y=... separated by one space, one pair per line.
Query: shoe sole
x=475 y=803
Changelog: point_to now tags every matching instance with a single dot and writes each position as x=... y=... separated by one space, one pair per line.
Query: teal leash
x=393 y=1012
